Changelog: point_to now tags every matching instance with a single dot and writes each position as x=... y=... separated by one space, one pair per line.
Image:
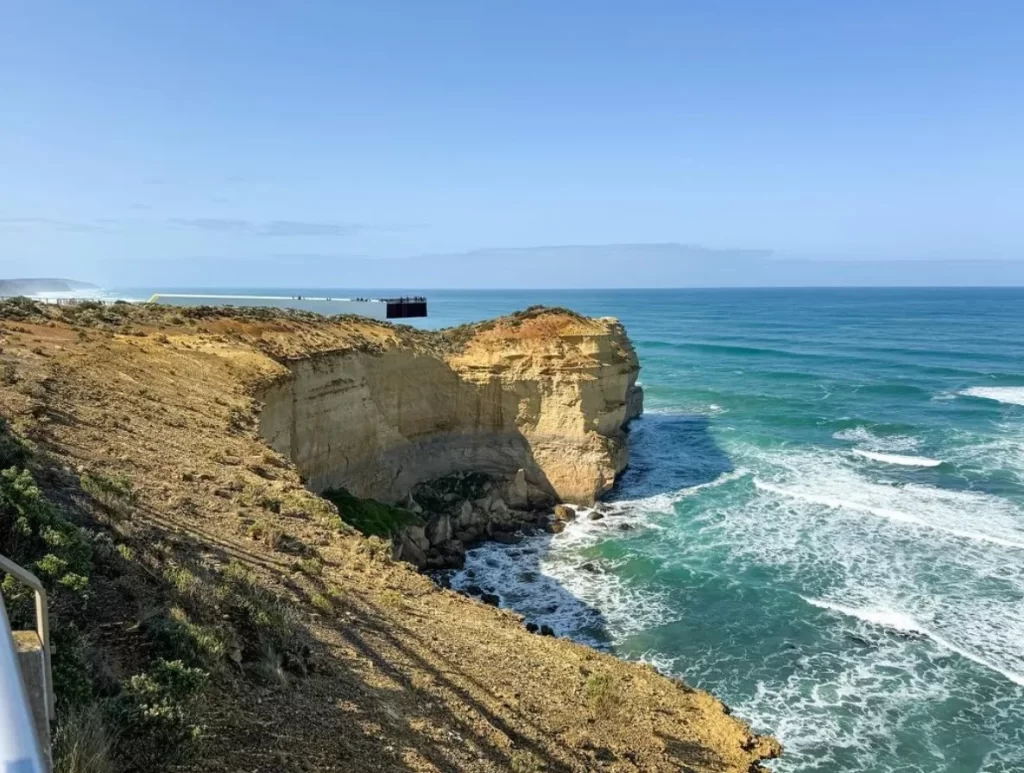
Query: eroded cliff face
x=547 y=391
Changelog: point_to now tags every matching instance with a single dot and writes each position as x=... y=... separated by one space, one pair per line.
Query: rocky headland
x=231 y=510
x=535 y=406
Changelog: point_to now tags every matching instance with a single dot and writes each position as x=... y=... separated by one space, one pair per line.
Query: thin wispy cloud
x=272 y=228
x=44 y=224
x=216 y=224
x=297 y=228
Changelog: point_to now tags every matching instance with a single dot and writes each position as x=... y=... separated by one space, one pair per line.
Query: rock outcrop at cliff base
x=546 y=392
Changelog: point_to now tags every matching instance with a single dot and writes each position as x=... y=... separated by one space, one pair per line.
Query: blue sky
x=290 y=143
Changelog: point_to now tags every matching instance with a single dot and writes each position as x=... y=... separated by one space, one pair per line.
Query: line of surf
x=884 y=512
x=1007 y=395
x=899 y=621
x=664 y=502
x=906 y=461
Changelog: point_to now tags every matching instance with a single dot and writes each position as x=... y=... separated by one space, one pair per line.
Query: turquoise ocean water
x=823 y=521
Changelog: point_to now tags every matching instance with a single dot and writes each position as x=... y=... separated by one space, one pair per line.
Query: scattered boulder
x=625 y=527
x=412 y=505
x=532 y=628
x=469 y=536
x=474 y=590
x=546 y=630
x=595 y=516
x=555 y=527
x=564 y=513
x=439 y=529
x=466 y=515
x=490 y=599
x=506 y=539
x=453 y=548
x=409 y=547
x=539 y=498
x=517 y=494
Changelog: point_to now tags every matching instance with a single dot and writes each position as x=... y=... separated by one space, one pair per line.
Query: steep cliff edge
x=546 y=391
x=220 y=617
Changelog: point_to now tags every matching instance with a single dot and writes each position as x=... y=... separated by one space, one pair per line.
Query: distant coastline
x=37 y=286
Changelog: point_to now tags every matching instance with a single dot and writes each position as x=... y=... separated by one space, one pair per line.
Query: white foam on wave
x=883 y=617
x=941 y=565
x=906 y=461
x=1000 y=450
x=865 y=437
x=899 y=621
x=1007 y=395
x=665 y=503
x=552 y=580
x=847 y=696
x=886 y=512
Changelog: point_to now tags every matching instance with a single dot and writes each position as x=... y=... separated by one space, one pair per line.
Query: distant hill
x=38 y=286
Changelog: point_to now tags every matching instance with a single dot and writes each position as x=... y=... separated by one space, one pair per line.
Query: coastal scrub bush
x=321 y=602
x=368 y=516
x=312 y=566
x=115 y=494
x=153 y=714
x=9 y=374
x=602 y=694
x=270 y=535
x=522 y=761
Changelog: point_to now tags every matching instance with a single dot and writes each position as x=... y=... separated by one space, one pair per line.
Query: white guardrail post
x=23 y=746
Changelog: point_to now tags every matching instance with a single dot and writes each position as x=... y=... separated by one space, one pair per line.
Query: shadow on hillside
x=391 y=697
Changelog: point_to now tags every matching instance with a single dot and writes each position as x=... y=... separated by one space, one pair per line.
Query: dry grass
x=81 y=743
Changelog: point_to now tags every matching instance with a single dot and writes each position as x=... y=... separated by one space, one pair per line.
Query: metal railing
x=21 y=748
x=42 y=622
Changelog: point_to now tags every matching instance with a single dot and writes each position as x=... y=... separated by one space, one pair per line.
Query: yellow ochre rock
x=546 y=391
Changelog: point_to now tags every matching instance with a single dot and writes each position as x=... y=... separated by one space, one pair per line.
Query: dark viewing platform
x=402 y=308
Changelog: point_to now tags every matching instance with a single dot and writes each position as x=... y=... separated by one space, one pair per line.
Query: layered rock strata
x=546 y=392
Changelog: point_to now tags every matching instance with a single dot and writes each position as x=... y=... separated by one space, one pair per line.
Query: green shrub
x=313 y=566
x=13 y=452
x=33 y=534
x=9 y=374
x=370 y=517
x=115 y=494
x=154 y=714
x=321 y=602
x=178 y=638
x=521 y=761
x=602 y=694
x=270 y=535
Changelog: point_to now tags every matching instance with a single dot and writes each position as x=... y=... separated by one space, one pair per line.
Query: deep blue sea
x=822 y=523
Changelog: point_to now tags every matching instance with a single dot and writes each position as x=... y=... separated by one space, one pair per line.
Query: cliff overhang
x=546 y=392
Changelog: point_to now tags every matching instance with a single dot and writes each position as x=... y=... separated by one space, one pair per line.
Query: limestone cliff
x=546 y=391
